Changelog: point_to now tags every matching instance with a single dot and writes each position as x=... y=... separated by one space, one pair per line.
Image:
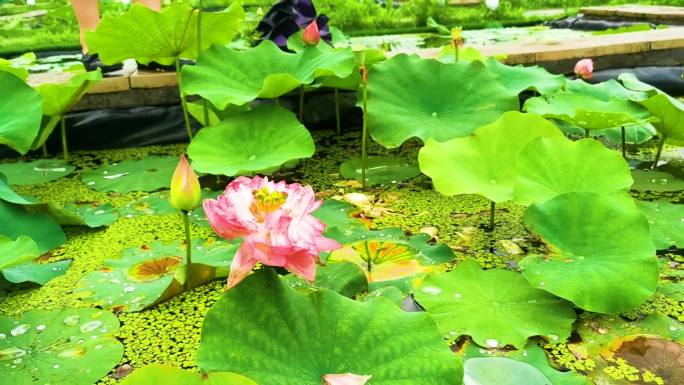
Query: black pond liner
x=667 y=79
x=582 y=23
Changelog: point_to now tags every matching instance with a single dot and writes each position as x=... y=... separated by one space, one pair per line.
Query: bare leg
x=151 y=4
x=88 y=15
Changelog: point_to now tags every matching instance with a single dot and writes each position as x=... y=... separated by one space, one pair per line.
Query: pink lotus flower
x=584 y=69
x=311 y=35
x=345 y=379
x=275 y=222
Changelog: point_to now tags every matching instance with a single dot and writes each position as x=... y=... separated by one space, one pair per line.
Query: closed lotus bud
x=584 y=69
x=311 y=35
x=185 y=188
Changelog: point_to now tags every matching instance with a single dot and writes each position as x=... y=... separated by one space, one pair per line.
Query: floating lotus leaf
x=548 y=167
x=61 y=346
x=661 y=357
x=484 y=163
x=345 y=278
x=157 y=203
x=501 y=370
x=594 y=242
x=411 y=97
x=380 y=170
x=151 y=274
x=169 y=375
x=35 y=272
x=338 y=214
x=667 y=223
x=658 y=181
x=293 y=338
x=147 y=174
x=495 y=307
x=20 y=113
x=259 y=140
x=521 y=78
x=91 y=215
x=9 y=195
x=388 y=257
x=36 y=172
x=15 y=221
x=173 y=36
x=227 y=76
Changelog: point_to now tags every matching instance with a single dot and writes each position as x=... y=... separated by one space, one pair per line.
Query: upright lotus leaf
x=20 y=113
x=227 y=76
x=548 y=167
x=388 y=257
x=667 y=222
x=594 y=241
x=262 y=139
x=412 y=97
x=364 y=56
x=293 y=338
x=13 y=253
x=380 y=170
x=670 y=112
x=521 y=78
x=634 y=134
x=495 y=307
x=147 y=275
x=606 y=91
x=147 y=174
x=59 y=99
x=61 y=346
x=36 y=272
x=36 y=172
x=169 y=375
x=17 y=66
x=345 y=278
x=9 y=195
x=15 y=221
x=163 y=37
x=484 y=163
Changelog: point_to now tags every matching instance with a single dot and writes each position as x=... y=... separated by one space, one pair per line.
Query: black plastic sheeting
x=582 y=23
x=667 y=79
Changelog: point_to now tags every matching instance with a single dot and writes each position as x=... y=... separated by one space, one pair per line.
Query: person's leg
x=88 y=15
x=151 y=4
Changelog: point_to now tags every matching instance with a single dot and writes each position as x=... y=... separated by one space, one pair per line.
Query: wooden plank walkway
x=647 y=13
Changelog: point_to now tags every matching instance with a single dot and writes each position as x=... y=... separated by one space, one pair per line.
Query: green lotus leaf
x=16 y=221
x=214 y=115
x=531 y=355
x=548 y=167
x=483 y=163
x=521 y=78
x=412 y=97
x=605 y=91
x=495 y=307
x=364 y=56
x=345 y=278
x=388 y=257
x=9 y=195
x=36 y=172
x=89 y=215
x=380 y=170
x=13 y=253
x=634 y=134
x=258 y=140
x=226 y=76
x=147 y=275
x=501 y=370
x=158 y=203
x=36 y=272
x=658 y=181
x=670 y=112
x=17 y=66
x=169 y=375
x=20 y=113
x=147 y=174
x=667 y=223
x=293 y=338
x=631 y=82
x=594 y=241
x=61 y=346
x=338 y=214
x=173 y=36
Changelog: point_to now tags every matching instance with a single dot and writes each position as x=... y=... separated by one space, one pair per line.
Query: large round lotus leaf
x=606 y=91
x=345 y=278
x=501 y=370
x=634 y=134
x=15 y=221
x=388 y=256
x=670 y=112
x=62 y=346
x=548 y=167
x=146 y=35
x=594 y=241
x=147 y=174
x=227 y=76
x=412 y=97
x=169 y=375
x=36 y=272
x=20 y=113
x=153 y=273
x=667 y=223
x=495 y=307
x=258 y=140
x=659 y=181
x=483 y=163
x=380 y=170
x=520 y=78
x=292 y=338
x=36 y=172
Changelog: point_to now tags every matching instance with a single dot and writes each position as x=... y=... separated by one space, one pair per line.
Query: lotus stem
x=188 y=248
x=277 y=102
x=182 y=98
x=65 y=149
x=205 y=105
x=660 y=149
x=364 y=138
x=45 y=153
x=455 y=52
x=586 y=132
x=492 y=212
x=624 y=143
x=337 y=111
x=301 y=104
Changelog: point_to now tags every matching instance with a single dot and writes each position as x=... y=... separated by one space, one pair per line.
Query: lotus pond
x=457 y=221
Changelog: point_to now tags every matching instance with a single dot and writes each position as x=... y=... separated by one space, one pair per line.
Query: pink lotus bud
x=311 y=36
x=345 y=379
x=185 y=187
x=584 y=69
